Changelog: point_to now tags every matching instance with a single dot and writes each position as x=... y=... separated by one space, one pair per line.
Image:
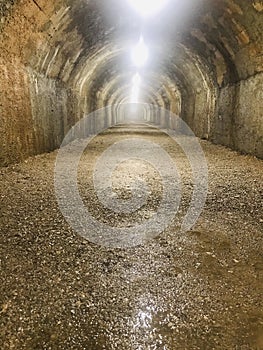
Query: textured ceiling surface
x=86 y=44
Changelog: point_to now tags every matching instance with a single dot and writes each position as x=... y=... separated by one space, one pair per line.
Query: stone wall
x=33 y=112
x=239 y=121
x=17 y=135
x=248 y=122
x=48 y=99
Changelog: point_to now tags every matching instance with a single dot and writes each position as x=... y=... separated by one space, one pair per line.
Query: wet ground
x=201 y=289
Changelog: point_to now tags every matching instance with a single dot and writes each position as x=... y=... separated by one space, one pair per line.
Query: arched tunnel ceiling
x=75 y=41
x=62 y=59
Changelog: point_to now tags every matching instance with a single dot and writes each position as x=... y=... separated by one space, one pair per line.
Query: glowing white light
x=135 y=94
x=136 y=80
x=148 y=8
x=140 y=54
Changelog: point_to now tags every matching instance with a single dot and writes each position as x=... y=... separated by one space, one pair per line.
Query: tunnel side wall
x=16 y=127
x=35 y=112
x=239 y=121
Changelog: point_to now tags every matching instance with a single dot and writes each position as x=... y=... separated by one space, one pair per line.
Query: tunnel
x=131 y=174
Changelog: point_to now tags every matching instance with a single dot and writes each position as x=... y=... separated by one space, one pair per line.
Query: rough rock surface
x=196 y=290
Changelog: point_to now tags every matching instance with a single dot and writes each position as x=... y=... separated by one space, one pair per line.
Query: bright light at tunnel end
x=148 y=8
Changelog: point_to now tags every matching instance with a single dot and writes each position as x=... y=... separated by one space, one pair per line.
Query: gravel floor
x=201 y=289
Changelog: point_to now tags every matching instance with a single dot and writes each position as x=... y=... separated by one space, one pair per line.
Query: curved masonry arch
x=56 y=55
